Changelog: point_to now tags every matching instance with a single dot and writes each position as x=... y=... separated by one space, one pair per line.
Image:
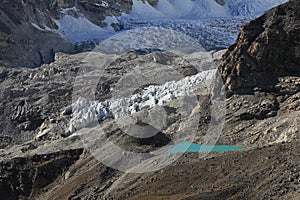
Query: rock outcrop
x=267 y=48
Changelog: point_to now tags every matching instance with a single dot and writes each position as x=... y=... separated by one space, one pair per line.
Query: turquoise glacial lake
x=196 y=148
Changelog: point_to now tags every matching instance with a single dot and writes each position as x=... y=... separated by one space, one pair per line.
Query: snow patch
x=81 y=29
x=46 y=29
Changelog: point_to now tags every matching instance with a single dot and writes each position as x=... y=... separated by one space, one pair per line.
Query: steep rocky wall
x=27 y=36
x=21 y=44
x=267 y=48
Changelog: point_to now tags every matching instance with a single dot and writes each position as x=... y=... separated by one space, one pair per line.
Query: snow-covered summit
x=250 y=7
x=195 y=9
x=178 y=9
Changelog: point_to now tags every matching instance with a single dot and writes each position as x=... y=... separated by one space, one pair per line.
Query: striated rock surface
x=267 y=48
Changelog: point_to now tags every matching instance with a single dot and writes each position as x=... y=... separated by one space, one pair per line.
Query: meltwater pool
x=193 y=147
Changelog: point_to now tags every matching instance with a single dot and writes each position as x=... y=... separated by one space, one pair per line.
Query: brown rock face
x=267 y=48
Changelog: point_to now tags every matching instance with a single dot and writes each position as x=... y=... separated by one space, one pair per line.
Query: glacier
x=86 y=112
x=213 y=25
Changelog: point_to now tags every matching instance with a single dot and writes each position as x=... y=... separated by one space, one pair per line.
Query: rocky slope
x=41 y=159
x=36 y=124
x=267 y=49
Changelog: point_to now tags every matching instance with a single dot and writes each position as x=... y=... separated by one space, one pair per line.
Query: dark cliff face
x=21 y=44
x=43 y=13
x=267 y=48
x=25 y=38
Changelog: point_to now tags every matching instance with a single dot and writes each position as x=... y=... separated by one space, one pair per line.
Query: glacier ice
x=88 y=112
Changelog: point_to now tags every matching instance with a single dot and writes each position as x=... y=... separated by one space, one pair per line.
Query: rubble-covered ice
x=149 y=38
x=211 y=33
